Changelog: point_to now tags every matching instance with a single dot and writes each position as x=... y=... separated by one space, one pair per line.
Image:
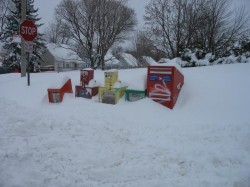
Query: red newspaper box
x=56 y=94
x=89 y=87
x=86 y=75
x=164 y=84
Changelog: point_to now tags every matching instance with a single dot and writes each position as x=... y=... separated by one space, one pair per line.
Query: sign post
x=28 y=31
x=23 y=54
x=28 y=50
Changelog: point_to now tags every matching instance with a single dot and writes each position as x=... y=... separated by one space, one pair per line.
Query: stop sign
x=28 y=30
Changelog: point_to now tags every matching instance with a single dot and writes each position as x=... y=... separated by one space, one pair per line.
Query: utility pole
x=23 y=52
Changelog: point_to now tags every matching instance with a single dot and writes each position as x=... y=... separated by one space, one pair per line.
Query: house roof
x=63 y=53
x=149 y=60
x=124 y=60
x=129 y=59
x=111 y=60
x=164 y=60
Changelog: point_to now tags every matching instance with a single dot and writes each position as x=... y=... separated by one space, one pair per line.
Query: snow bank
x=163 y=60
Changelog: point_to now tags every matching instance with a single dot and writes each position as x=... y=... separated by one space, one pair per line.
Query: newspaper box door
x=86 y=76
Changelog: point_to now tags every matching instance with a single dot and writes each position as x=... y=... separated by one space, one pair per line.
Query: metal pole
x=28 y=66
x=23 y=53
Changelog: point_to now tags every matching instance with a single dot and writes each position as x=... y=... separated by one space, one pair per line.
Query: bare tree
x=52 y=32
x=174 y=25
x=142 y=46
x=96 y=25
x=224 y=26
x=165 y=19
x=114 y=20
x=58 y=32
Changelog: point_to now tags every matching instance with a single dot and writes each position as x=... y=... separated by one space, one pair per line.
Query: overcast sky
x=46 y=9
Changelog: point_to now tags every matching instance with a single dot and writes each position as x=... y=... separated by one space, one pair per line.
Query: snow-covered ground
x=203 y=142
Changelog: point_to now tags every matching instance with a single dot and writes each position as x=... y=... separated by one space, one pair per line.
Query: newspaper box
x=112 y=95
x=111 y=78
x=56 y=94
x=113 y=89
x=137 y=89
x=164 y=84
x=134 y=95
x=86 y=75
x=88 y=87
x=87 y=91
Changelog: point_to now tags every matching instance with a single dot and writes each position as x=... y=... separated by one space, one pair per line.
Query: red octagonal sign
x=28 y=30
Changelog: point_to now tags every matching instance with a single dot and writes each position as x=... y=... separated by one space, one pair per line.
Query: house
x=120 y=61
x=61 y=58
x=111 y=62
x=128 y=60
x=147 y=60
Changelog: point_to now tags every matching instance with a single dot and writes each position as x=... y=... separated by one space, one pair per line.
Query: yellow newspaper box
x=111 y=78
x=113 y=89
x=112 y=95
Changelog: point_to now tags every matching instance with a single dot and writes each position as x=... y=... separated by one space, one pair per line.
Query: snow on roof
x=63 y=53
x=129 y=59
x=149 y=60
x=110 y=59
x=164 y=60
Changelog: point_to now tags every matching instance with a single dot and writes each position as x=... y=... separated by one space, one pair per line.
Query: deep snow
x=204 y=141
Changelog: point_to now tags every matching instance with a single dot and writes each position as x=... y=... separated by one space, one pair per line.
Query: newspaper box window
x=164 y=84
x=56 y=98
